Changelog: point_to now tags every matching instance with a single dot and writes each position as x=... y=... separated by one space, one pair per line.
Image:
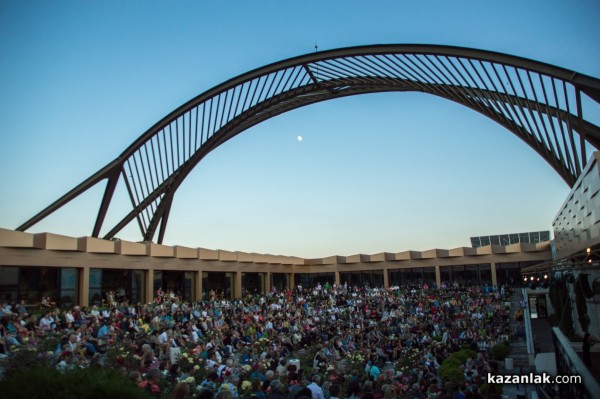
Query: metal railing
x=569 y=363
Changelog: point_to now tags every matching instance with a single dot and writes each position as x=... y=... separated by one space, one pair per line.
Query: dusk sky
x=81 y=80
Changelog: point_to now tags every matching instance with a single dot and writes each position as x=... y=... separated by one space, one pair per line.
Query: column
x=199 y=285
x=149 y=291
x=237 y=289
x=84 y=286
x=386 y=278
x=493 y=271
x=267 y=286
x=337 y=278
x=438 y=277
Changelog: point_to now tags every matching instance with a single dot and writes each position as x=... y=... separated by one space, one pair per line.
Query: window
x=485 y=273
x=252 y=282
x=69 y=284
x=138 y=286
x=95 y=295
x=280 y=281
x=446 y=274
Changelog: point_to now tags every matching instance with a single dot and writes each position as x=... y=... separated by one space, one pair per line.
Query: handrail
x=569 y=363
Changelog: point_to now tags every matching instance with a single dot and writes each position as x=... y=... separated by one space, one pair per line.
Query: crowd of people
x=326 y=342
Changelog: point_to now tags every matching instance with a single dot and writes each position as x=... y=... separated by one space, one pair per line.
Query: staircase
x=518 y=345
x=518 y=351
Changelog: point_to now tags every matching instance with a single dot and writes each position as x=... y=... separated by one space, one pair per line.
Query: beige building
x=82 y=270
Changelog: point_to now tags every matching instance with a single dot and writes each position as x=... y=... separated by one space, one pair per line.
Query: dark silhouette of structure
x=539 y=103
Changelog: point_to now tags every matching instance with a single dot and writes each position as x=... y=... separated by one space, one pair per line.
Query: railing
x=569 y=363
x=546 y=392
x=528 y=331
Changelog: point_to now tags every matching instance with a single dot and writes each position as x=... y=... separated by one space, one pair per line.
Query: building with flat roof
x=513 y=238
x=82 y=270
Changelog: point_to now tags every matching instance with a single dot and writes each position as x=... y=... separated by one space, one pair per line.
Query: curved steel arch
x=540 y=103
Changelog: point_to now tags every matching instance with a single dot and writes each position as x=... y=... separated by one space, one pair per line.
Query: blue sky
x=81 y=80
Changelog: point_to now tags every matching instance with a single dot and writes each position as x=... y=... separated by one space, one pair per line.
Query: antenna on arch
x=316 y=51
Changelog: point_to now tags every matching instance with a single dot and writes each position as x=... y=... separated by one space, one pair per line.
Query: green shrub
x=488 y=390
x=452 y=362
x=500 y=351
x=452 y=374
x=450 y=369
x=45 y=382
x=28 y=356
x=464 y=354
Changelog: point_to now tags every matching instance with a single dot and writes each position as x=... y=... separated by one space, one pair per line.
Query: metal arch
x=539 y=103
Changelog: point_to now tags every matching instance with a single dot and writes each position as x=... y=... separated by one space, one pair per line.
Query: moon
x=299 y=138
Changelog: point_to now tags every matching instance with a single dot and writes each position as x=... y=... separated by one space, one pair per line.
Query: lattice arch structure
x=540 y=103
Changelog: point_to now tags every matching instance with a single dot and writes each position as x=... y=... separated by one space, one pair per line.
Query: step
x=519 y=355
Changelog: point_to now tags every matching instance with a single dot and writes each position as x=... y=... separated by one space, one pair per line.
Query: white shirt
x=317 y=391
x=162 y=338
x=45 y=323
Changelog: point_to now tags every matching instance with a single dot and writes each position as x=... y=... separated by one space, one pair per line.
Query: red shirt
x=153 y=388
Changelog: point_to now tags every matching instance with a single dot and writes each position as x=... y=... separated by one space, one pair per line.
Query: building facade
x=533 y=237
x=84 y=270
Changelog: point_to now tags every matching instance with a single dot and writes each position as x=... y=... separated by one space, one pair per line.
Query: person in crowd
x=150 y=383
x=315 y=388
x=265 y=334
x=224 y=394
x=257 y=390
x=181 y=391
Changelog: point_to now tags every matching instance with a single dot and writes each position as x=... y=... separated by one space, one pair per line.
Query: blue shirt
x=102 y=331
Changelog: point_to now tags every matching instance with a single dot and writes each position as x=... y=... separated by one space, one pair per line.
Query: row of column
x=237 y=286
